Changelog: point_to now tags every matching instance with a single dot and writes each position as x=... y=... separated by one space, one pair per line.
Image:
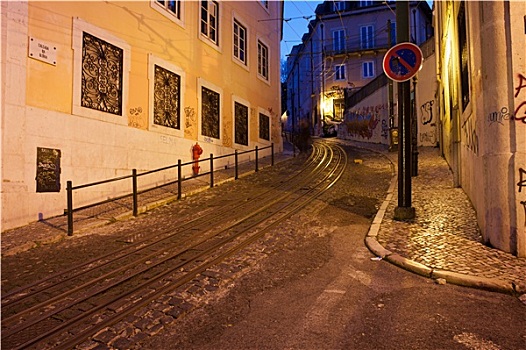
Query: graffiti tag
x=427 y=112
x=522 y=181
x=520 y=111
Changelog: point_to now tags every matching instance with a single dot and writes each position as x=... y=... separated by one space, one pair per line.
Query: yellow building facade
x=94 y=89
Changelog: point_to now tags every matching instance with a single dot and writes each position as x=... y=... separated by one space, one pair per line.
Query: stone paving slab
x=443 y=241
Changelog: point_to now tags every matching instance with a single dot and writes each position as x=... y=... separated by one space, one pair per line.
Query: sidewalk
x=443 y=241
x=54 y=229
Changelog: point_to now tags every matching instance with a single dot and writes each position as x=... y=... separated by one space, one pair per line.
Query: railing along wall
x=179 y=180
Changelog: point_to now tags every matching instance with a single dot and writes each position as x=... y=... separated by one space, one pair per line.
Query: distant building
x=342 y=52
x=481 y=96
x=92 y=90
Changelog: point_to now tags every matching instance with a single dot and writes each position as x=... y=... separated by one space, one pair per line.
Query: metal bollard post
x=69 y=193
x=257 y=168
x=211 y=170
x=179 y=180
x=134 y=186
x=236 y=161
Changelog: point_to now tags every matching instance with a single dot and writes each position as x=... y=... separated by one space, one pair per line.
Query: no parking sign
x=402 y=61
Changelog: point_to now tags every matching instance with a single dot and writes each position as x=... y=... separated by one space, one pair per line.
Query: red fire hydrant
x=196 y=153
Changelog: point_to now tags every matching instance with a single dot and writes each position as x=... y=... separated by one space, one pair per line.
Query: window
x=264 y=127
x=210 y=117
x=463 y=55
x=339 y=72
x=262 y=60
x=167 y=98
x=101 y=74
x=367 y=37
x=209 y=20
x=338 y=40
x=240 y=42
x=339 y=108
x=240 y=124
x=166 y=83
x=365 y=3
x=264 y=3
x=368 y=69
x=173 y=7
x=339 y=5
x=393 y=34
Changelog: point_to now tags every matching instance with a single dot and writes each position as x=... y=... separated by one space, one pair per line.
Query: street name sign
x=402 y=62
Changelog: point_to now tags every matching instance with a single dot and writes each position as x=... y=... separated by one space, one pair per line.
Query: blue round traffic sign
x=402 y=61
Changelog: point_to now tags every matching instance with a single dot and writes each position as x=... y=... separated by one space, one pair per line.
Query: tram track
x=72 y=312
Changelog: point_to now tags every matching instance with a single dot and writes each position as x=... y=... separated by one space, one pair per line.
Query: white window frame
x=338 y=40
x=80 y=26
x=340 y=72
x=368 y=69
x=246 y=104
x=265 y=112
x=206 y=37
x=246 y=46
x=152 y=62
x=207 y=139
x=267 y=65
x=178 y=18
x=367 y=37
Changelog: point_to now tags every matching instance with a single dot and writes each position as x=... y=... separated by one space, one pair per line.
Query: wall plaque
x=48 y=170
x=42 y=51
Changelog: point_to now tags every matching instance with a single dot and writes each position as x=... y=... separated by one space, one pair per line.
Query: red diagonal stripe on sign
x=405 y=64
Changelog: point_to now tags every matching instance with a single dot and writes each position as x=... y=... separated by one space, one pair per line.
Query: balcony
x=356 y=47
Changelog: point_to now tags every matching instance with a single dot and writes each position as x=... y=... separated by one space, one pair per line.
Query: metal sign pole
x=404 y=211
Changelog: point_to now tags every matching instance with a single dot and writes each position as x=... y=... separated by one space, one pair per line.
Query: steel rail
x=106 y=276
x=201 y=268
x=312 y=158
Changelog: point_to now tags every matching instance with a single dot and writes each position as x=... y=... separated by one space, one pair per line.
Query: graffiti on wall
x=519 y=114
x=189 y=120
x=363 y=121
x=136 y=119
x=385 y=129
x=522 y=179
x=427 y=112
x=428 y=137
x=499 y=116
x=520 y=111
x=471 y=136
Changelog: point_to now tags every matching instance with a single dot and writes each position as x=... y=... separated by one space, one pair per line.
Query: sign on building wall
x=42 y=51
x=48 y=170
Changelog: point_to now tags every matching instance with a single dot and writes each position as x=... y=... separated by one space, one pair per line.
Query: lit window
x=367 y=37
x=338 y=40
x=368 y=69
x=262 y=60
x=339 y=73
x=209 y=20
x=174 y=7
x=240 y=42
